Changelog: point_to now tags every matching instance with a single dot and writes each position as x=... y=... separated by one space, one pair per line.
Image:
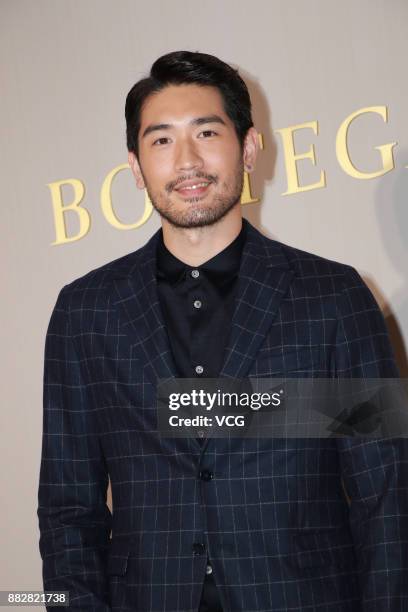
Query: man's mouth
x=192 y=188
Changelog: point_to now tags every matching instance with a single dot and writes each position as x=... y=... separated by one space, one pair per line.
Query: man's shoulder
x=99 y=281
x=306 y=265
x=323 y=279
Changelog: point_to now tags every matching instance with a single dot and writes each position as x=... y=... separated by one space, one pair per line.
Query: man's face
x=190 y=159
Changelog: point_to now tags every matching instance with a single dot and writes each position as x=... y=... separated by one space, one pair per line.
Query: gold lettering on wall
x=342 y=152
x=60 y=209
x=106 y=203
x=291 y=157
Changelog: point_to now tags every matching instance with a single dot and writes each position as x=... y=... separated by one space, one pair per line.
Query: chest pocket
x=304 y=361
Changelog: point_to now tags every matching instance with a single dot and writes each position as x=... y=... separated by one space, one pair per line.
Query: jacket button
x=198 y=548
x=206 y=475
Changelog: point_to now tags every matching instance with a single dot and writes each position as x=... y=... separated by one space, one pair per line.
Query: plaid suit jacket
x=281 y=533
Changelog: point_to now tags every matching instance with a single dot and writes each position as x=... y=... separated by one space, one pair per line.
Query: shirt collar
x=219 y=269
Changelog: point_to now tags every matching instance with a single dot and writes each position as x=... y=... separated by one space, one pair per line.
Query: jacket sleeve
x=374 y=471
x=74 y=519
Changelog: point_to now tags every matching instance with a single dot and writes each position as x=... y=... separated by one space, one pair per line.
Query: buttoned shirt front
x=197 y=304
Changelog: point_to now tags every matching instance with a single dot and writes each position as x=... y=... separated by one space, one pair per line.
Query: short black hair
x=184 y=67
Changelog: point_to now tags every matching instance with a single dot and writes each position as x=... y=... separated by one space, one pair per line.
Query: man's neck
x=194 y=246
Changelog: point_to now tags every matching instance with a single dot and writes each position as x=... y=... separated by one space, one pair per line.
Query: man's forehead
x=179 y=103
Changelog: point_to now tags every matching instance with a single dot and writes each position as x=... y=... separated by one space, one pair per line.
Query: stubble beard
x=196 y=215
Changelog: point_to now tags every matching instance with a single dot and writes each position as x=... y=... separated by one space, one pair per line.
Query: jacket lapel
x=138 y=304
x=264 y=279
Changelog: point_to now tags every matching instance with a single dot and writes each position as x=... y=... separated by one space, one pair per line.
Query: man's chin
x=190 y=222
x=199 y=217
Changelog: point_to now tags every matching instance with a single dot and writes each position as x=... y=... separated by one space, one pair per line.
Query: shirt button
x=199 y=369
x=206 y=475
x=198 y=548
x=208 y=569
x=195 y=273
x=197 y=304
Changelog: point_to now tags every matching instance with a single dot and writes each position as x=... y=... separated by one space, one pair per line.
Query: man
x=232 y=524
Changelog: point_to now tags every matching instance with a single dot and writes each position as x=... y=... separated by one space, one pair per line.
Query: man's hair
x=187 y=67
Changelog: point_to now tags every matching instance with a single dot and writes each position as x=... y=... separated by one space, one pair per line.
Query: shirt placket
x=196 y=309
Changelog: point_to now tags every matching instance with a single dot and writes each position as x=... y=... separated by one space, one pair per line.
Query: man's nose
x=188 y=156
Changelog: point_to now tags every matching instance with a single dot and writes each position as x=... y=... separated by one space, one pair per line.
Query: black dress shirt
x=197 y=305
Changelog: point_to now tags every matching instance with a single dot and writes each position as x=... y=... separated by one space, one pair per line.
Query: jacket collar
x=264 y=278
x=219 y=269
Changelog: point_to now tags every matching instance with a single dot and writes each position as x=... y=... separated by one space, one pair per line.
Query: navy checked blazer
x=290 y=524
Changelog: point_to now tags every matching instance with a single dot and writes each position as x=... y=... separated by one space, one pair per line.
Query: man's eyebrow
x=197 y=121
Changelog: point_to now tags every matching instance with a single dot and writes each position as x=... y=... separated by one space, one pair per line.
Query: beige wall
x=66 y=67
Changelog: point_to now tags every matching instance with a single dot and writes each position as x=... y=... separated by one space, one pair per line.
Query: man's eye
x=161 y=141
x=209 y=132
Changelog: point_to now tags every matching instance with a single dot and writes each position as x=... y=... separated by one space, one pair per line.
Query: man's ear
x=250 y=150
x=134 y=166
